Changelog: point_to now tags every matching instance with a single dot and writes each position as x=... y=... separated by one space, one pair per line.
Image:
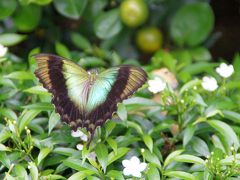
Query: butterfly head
x=92 y=74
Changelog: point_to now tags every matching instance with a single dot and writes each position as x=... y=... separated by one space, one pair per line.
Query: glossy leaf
x=27 y=18
x=62 y=50
x=43 y=153
x=20 y=75
x=189 y=159
x=120 y=152
x=171 y=157
x=153 y=173
x=108 y=24
x=72 y=9
x=53 y=121
x=7 y=7
x=226 y=131
x=180 y=174
x=33 y=171
x=148 y=141
x=102 y=155
x=192 y=24
x=26 y=117
x=80 y=41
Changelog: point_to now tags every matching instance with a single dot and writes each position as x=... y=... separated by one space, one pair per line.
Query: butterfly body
x=86 y=98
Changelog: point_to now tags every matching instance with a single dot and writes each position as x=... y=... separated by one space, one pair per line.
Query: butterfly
x=86 y=99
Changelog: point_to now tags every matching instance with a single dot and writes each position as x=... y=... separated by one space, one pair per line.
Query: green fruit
x=133 y=12
x=149 y=39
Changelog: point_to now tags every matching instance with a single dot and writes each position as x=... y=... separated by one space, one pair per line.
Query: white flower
x=3 y=50
x=79 y=147
x=209 y=83
x=84 y=137
x=80 y=134
x=133 y=167
x=156 y=85
x=225 y=70
x=92 y=156
x=77 y=133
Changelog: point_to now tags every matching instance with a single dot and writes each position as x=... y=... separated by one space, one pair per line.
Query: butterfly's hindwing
x=83 y=99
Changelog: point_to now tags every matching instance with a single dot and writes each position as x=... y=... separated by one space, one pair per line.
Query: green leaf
x=40 y=2
x=148 y=141
x=226 y=131
x=200 y=146
x=20 y=171
x=217 y=143
x=153 y=172
x=190 y=85
x=4 y=148
x=81 y=175
x=109 y=126
x=27 y=17
x=200 y=54
x=139 y=101
x=108 y=24
x=122 y=112
x=43 y=153
x=171 y=157
x=180 y=174
x=231 y=115
x=199 y=67
x=11 y=39
x=162 y=57
x=7 y=7
x=113 y=174
x=102 y=155
x=64 y=151
x=120 y=152
x=62 y=50
x=135 y=126
x=33 y=171
x=70 y=8
x=189 y=159
x=112 y=143
x=53 y=120
x=26 y=117
x=20 y=75
x=8 y=113
x=91 y=62
x=4 y=159
x=39 y=90
x=79 y=165
x=152 y=158
x=192 y=24
x=4 y=134
x=188 y=134
x=236 y=63
x=40 y=106
x=81 y=42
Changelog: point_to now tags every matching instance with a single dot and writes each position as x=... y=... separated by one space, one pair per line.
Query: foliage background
x=198 y=137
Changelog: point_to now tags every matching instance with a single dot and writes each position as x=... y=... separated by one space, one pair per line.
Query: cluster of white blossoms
x=82 y=136
x=3 y=50
x=210 y=83
x=133 y=167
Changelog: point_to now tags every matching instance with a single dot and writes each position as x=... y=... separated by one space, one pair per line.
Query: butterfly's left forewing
x=67 y=82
